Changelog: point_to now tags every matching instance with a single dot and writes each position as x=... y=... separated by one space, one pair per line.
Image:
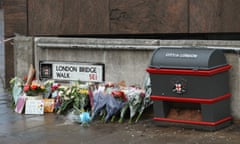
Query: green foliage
x=73 y=97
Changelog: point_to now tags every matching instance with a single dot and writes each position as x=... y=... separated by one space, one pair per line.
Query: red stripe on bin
x=190 y=100
x=194 y=122
x=188 y=71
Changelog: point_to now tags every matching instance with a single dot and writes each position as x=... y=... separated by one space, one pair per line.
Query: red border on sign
x=188 y=71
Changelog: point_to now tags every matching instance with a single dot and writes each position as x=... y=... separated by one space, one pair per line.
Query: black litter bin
x=190 y=87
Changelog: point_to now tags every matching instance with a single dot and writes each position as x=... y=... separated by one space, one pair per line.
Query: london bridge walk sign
x=71 y=71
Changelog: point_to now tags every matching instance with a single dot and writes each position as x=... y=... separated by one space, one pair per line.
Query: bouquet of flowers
x=16 y=88
x=73 y=97
x=34 y=89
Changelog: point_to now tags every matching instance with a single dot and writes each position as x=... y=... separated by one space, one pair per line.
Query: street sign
x=72 y=71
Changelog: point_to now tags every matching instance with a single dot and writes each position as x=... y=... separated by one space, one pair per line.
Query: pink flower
x=26 y=87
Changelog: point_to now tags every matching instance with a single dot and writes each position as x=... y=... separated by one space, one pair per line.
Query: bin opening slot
x=184 y=111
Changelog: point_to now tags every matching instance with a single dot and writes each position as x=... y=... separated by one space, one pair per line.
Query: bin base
x=200 y=125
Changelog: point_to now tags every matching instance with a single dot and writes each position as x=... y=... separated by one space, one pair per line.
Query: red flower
x=119 y=94
x=55 y=87
x=34 y=87
x=26 y=88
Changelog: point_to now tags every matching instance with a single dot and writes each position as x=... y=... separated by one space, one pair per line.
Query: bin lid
x=187 y=58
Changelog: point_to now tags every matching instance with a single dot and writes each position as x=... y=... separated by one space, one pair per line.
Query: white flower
x=66 y=98
x=60 y=93
x=68 y=91
x=48 y=82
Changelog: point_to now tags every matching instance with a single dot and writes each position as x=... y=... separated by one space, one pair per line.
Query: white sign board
x=82 y=72
x=34 y=107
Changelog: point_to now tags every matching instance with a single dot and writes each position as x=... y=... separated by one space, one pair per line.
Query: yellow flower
x=83 y=91
x=42 y=87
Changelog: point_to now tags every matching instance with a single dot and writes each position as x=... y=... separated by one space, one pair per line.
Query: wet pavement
x=52 y=129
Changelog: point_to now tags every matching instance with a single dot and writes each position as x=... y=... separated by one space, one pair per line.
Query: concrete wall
x=124 y=59
x=23 y=55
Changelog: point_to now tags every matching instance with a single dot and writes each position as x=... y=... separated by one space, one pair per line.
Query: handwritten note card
x=34 y=107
